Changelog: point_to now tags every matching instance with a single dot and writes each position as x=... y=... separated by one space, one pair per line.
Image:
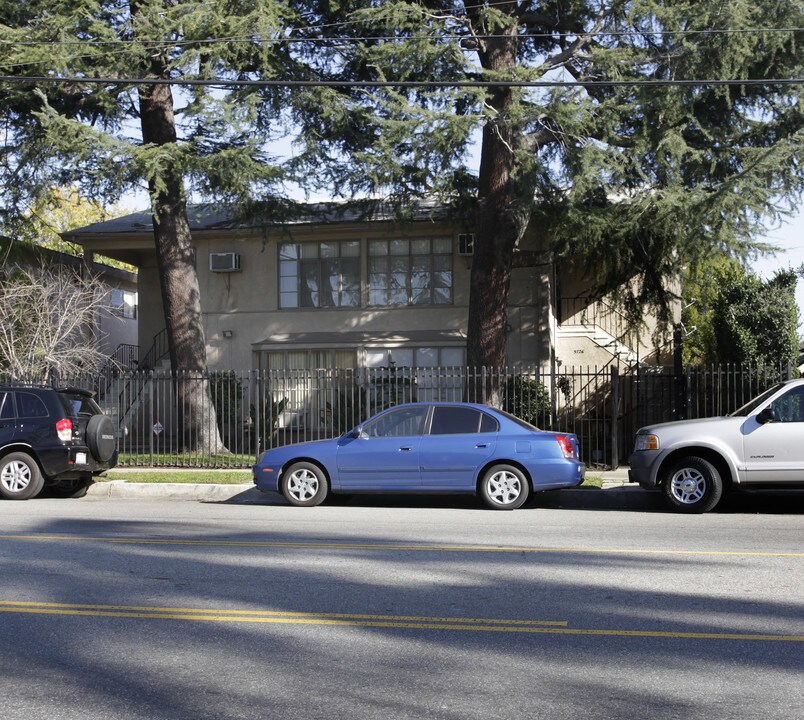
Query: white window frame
x=291 y=278
x=400 y=256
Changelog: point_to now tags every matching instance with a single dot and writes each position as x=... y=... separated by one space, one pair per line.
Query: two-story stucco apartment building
x=340 y=287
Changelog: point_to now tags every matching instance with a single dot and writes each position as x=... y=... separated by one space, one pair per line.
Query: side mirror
x=766 y=415
x=355 y=433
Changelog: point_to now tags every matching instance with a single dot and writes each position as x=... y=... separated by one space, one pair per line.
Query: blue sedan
x=427 y=448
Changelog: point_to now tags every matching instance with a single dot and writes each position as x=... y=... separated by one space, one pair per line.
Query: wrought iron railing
x=253 y=410
x=589 y=312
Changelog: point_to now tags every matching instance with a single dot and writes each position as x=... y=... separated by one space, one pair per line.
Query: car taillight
x=64 y=429
x=566 y=446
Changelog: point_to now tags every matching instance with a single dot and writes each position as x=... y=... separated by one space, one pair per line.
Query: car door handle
x=482 y=445
x=405 y=449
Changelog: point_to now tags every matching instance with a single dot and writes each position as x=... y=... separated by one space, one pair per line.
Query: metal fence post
x=615 y=421
x=149 y=380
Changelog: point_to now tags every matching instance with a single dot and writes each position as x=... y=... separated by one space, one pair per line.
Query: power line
x=376 y=38
x=398 y=83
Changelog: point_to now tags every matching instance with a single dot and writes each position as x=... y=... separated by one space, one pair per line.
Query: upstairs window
x=315 y=275
x=410 y=272
x=123 y=303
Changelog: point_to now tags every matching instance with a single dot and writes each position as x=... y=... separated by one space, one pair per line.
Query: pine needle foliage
x=628 y=182
x=87 y=135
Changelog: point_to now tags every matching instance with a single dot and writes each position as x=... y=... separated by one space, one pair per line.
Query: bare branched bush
x=48 y=322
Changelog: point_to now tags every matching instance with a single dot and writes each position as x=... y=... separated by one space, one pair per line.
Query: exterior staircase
x=600 y=324
x=602 y=339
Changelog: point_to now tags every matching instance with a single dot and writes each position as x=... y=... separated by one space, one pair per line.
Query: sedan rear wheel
x=504 y=487
x=20 y=478
x=692 y=485
x=304 y=485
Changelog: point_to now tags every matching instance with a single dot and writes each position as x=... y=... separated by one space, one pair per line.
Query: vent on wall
x=466 y=244
x=224 y=262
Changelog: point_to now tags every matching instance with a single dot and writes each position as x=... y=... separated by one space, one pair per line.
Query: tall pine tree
x=669 y=138
x=112 y=133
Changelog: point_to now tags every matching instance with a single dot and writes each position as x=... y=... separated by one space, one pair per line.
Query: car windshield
x=749 y=407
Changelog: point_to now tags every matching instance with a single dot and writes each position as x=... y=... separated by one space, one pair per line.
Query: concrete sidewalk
x=613 y=478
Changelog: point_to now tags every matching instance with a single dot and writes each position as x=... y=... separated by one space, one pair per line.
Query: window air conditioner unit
x=466 y=244
x=224 y=262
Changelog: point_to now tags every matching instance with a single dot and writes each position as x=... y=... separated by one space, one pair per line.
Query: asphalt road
x=585 y=605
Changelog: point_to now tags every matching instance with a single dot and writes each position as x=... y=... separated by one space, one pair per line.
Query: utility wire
x=397 y=83
x=376 y=38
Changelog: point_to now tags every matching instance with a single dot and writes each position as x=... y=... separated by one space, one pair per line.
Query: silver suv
x=694 y=461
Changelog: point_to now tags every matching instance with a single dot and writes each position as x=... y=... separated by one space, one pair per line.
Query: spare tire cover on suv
x=101 y=437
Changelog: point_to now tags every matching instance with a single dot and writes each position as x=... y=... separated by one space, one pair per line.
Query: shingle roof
x=215 y=217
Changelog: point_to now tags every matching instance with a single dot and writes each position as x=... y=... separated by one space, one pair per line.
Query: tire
x=504 y=487
x=101 y=438
x=304 y=485
x=75 y=488
x=692 y=485
x=20 y=477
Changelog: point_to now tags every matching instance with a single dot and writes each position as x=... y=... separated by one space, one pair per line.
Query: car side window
x=398 y=422
x=790 y=407
x=6 y=406
x=30 y=406
x=488 y=424
x=449 y=420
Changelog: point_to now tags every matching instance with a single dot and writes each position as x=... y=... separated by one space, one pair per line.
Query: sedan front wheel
x=304 y=485
x=504 y=487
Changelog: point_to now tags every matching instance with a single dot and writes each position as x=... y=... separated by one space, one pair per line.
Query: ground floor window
x=326 y=390
x=328 y=359
x=418 y=373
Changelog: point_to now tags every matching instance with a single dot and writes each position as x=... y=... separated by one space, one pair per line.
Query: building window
x=313 y=275
x=410 y=272
x=123 y=303
x=418 y=357
x=345 y=359
x=307 y=387
x=434 y=373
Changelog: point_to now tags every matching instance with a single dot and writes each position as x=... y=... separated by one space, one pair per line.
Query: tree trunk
x=181 y=296
x=501 y=221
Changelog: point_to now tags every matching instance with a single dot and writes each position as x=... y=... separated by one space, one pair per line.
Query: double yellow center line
x=552 y=627
x=394 y=547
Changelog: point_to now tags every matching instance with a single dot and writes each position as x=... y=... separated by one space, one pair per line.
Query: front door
x=386 y=455
x=774 y=451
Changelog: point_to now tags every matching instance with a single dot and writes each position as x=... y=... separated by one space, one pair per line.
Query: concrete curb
x=198 y=492
x=245 y=492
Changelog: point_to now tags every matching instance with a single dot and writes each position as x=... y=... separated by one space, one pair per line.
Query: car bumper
x=71 y=462
x=642 y=468
x=554 y=476
x=266 y=477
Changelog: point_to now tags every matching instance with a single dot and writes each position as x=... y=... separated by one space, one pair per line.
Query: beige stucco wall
x=246 y=303
x=575 y=349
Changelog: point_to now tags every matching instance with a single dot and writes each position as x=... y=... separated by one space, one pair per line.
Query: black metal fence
x=253 y=411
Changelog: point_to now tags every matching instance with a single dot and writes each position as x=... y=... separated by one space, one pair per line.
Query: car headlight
x=646 y=442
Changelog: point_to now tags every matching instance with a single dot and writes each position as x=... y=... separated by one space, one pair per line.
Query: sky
x=790 y=238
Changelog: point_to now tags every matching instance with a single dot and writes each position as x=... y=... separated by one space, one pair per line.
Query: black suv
x=52 y=436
